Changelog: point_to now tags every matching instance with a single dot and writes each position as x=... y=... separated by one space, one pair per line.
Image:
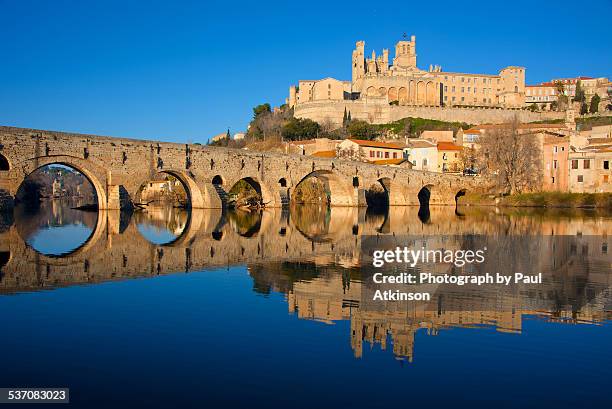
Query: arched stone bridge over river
x=118 y=167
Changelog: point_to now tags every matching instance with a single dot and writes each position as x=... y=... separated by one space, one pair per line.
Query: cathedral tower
x=358 y=67
x=405 y=53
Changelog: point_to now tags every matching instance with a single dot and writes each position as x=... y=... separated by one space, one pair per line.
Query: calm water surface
x=169 y=308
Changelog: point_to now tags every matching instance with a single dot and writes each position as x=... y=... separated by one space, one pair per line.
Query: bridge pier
x=113 y=201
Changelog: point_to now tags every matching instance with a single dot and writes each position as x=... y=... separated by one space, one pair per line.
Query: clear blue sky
x=185 y=70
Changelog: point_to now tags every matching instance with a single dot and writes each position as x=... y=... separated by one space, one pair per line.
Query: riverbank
x=541 y=199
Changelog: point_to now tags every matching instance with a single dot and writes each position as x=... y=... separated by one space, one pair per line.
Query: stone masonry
x=118 y=167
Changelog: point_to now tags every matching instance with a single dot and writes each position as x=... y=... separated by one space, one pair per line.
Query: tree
x=348 y=118
x=533 y=107
x=594 y=104
x=261 y=109
x=554 y=106
x=580 y=95
x=344 y=118
x=362 y=130
x=296 y=129
x=468 y=158
x=584 y=109
x=512 y=159
x=561 y=97
x=267 y=124
x=228 y=136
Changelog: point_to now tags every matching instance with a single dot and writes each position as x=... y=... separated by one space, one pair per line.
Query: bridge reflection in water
x=315 y=256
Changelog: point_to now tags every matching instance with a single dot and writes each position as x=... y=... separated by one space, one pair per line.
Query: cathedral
x=379 y=81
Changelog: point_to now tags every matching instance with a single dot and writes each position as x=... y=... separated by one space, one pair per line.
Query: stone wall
x=380 y=112
x=116 y=165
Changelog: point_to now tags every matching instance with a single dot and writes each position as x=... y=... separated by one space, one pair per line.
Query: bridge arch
x=261 y=188
x=377 y=194
x=459 y=195
x=340 y=191
x=87 y=168
x=194 y=194
x=4 y=163
x=217 y=180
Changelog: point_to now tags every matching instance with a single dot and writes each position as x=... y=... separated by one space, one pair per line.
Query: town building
x=590 y=169
x=371 y=151
x=543 y=95
x=313 y=147
x=555 y=166
x=449 y=157
x=423 y=154
x=438 y=136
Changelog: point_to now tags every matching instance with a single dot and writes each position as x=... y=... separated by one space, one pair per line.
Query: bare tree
x=327 y=126
x=511 y=158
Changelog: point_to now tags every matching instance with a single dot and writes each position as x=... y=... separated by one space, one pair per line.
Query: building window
x=394 y=155
x=453 y=88
x=606 y=164
x=445 y=88
x=462 y=99
x=580 y=179
x=386 y=155
x=587 y=164
x=555 y=164
x=371 y=154
x=605 y=178
x=555 y=149
x=424 y=162
x=574 y=164
x=553 y=180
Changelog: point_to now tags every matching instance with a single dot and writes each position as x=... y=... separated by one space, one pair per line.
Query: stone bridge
x=118 y=167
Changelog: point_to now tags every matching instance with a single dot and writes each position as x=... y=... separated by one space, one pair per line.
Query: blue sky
x=185 y=70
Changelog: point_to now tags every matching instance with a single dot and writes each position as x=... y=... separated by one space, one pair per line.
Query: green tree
x=584 y=109
x=362 y=130
x=228 y=136
x=261 y=109
x=580 y=95
x=296 y=129
x=594 y=104
x=348 y=118
x=344 y=118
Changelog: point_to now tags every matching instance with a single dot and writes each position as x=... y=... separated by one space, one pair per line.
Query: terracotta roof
x=376 y=144
x=389 y=161
x=448 y=146
x=472 y=130
x=324 y=154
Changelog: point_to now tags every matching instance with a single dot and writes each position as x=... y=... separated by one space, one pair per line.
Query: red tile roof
x=324 y=154
x=448 y=146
